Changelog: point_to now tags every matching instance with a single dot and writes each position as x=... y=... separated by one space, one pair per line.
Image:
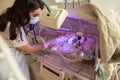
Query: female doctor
x=14 y=15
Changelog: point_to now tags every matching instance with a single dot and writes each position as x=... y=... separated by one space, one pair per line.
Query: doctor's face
x=34 y=16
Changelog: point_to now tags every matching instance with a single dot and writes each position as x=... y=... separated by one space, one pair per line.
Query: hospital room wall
x=69 y=5
x=107 y=4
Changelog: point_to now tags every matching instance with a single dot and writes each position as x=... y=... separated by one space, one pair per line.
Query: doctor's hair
x=18 y=15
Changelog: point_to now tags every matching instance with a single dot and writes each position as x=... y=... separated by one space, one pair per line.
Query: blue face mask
x=34 y=20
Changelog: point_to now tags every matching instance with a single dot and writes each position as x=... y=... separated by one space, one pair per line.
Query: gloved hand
x=46 y=44
x=54 y=48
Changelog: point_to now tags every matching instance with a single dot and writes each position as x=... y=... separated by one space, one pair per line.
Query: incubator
x=71 y=51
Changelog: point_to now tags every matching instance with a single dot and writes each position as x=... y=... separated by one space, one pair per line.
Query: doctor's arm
x=32 y=48
x=25 y=45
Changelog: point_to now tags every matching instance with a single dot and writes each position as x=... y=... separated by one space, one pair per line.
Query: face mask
x=34 y=20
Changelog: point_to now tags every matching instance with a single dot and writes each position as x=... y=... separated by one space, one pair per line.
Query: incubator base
x=55 y=64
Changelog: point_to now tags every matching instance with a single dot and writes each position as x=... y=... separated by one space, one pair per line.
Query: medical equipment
x=45 y=4
x=51 y=72
x=53 y=19
x=67 y=46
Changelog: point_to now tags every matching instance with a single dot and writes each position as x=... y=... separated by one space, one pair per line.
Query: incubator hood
x=53 y=19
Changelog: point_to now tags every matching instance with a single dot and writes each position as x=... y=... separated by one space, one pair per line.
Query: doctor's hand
x=46 y=44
